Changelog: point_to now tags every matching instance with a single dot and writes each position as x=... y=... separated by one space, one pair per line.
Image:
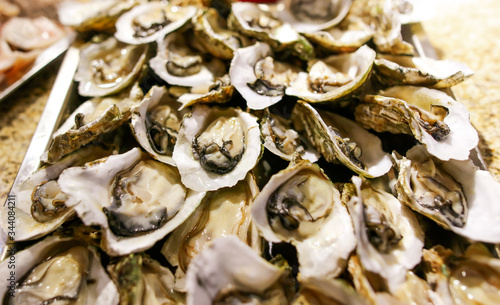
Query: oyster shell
x=151 y=21
x=314 y=291
x=220 y=91
x=333 y=78
x=390 y=240
x=339 y=139
x=222 y=213
x=434 y=118
x=393 y=70
x=258 y=77
x=108 y=67
x=40 y=205
x=135 y=200
x=216 y=147
x=59 y=269
x=316 y=15
x=229 y=272
x=300 y=205
x=179 y=64
x=27 y=34
x=455 y=194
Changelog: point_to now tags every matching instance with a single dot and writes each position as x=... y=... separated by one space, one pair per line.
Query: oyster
x=252 y=21
x=311 y=16
x=214 y=35
x=314 y=291
x=135 y=200
x=151 y=21
x=340 y=139
x=155 y=124
x=178 y=64
x=259 y=78
x=220 y=91
x=393 y=70
x=333 y=78
x=40 y=205
x=455 y=194
x=300 y=205
x=25 y=34
x=390 y=240
x=431 y=116
x=59 y=270
x=216 y=147
x=142 y=280
x=108 y=67
x=222 y=213
x=229 y=272
x=90 y=120
x=282 y=140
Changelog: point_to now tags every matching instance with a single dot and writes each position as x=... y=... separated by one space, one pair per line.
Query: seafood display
x=290 y=153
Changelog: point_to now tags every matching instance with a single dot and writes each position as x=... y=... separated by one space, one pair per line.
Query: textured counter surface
x=465 y=30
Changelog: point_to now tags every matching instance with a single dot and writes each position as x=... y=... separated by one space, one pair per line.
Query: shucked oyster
x=216 y=147
x=58 y=270
x=135 y=200
x=301 y=205
x=434 y=118
x=222 y=213
x=339 y=139
x=108 y=67
x=455 y=194
x=219 y=91
x=151 y=21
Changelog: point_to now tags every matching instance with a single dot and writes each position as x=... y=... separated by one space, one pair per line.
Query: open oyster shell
x=434 y=118
x=390 y=240
x=259 y=78
x=455 y=194
x=151 y=21
x=216 y=147
x=179 y=64
x=229 y=272
x=312 y=16
x=339 y=139
x=40 y=205
x=301 y=205
x=315 y=291
x=59 y=269
x=393 y=70
x=220 y=91
x=135 y=200
x=252 y=21
x=333 y=78
x=222 y=213
x=108 y=67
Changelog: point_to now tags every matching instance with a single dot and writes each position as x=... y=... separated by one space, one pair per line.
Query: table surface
x=467 y=31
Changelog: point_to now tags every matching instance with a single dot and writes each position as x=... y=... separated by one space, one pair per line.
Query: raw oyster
x=455 y=194
x=135 y=200
x=220 y=91
x=151 y=21
x=316 y=15
x=393 y=70
x=108 y=67
x=333 y=78
x=434 y=118
x=301 y=205
x=91 y=119
x=282 y=140
x=26 y=34
x=94 y=15
x=142 y=280
x=252 y=21
x=40 y=205
x=339 y=139
x=179 y=64
x=390 y=240
x=155 y=124
x=214 y=35
x=229 y=272
x=222 y=213
x=56 y=270
x=216 y=147
x=259 y=78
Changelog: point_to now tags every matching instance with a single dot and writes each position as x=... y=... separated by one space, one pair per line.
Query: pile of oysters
x=297 y=152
